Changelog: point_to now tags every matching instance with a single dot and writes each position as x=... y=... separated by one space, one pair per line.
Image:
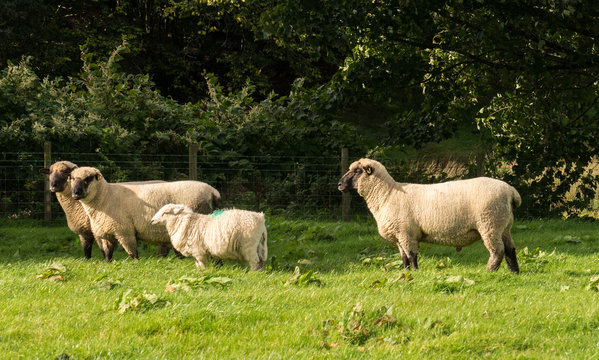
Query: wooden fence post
x=345 y=196
x=193 y=161
x=47 y=193
x=480 y=164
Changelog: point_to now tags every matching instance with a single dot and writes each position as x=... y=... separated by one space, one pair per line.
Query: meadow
x=331 y=290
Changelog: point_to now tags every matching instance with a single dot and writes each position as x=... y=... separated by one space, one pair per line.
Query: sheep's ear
x=98 y=177
x=45 y=171
x=369 y=170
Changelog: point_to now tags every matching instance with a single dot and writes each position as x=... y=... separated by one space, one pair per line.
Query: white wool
x=233 y=234
x=455 y=213
x=122 y=212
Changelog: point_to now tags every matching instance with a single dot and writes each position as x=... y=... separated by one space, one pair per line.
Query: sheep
x=231 y=234
x=77 y=220
x=122 y=212
x=455 y=213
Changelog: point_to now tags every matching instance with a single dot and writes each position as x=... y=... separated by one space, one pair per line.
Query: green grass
x=358 y=304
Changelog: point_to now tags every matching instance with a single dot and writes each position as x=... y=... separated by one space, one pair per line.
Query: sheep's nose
x=77 y=193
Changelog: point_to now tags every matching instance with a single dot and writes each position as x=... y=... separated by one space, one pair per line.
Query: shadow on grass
x=29 y=240
x=325 y=246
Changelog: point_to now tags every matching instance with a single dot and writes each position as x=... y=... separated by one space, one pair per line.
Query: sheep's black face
x=58 y=176
x=349 y=181
x=80 y=187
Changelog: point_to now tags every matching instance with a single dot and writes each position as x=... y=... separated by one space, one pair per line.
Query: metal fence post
x=47 y=193
x=345 y=196
x=193 y=161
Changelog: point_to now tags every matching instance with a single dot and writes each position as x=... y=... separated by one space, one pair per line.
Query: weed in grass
x=593 y=283
x=437 y=327
x=393 y=265
x=403 y=277
x=451 y=284
x=187 y=283
x=53 y=272
x=387 y=262
x=307 y=278
x=102 y=282
x=443 y=263
x=374 y=261
x=357 y=326
x=107 y=284
x=536 y=260
x=138 y=301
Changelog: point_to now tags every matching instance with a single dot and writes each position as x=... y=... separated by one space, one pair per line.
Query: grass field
x=351 y=300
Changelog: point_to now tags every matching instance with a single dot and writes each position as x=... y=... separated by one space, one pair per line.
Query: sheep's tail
x=516 y=199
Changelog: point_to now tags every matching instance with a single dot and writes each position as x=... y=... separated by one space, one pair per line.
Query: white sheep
x=455 y=213
x=122 y=212
x=231 y=234
x=77 y=219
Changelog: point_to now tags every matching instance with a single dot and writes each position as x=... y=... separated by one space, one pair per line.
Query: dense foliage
x=522 y=75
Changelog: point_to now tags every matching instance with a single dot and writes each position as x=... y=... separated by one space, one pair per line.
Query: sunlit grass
x=362 y=306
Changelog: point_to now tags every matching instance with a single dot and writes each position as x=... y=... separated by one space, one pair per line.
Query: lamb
x=231 y=234
x=122 y=212
x=455 y=213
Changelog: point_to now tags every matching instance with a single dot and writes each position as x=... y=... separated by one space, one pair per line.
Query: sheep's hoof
x=458 y=249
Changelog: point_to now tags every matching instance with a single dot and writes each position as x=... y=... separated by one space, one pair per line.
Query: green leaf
x=53 y=272
x=593 y=284
x=304 y=279
x=187 y=283
x=138 y=301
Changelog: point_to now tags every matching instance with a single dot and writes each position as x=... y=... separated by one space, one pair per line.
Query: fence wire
x=271 y=183
x=303 y=185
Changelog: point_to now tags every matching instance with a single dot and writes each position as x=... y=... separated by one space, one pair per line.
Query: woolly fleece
x=455 y=213
x=233 y=234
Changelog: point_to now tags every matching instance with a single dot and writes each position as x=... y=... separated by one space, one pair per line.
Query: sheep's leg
x=510 y=251
x=201 y=261
x=129 y=243
x=252 y=256
x=496 y=250
x=87 y=240
x=256 y=265
x=413 y=258
x=107 y=248
x=255 y=262
x=163 y=250
x=409 y=252
x=404 y=258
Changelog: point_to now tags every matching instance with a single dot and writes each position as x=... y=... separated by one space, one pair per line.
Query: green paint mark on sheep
x=217 y=213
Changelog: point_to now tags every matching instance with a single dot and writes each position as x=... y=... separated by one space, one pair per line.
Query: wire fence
x=275 y=184
x=261 y=183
